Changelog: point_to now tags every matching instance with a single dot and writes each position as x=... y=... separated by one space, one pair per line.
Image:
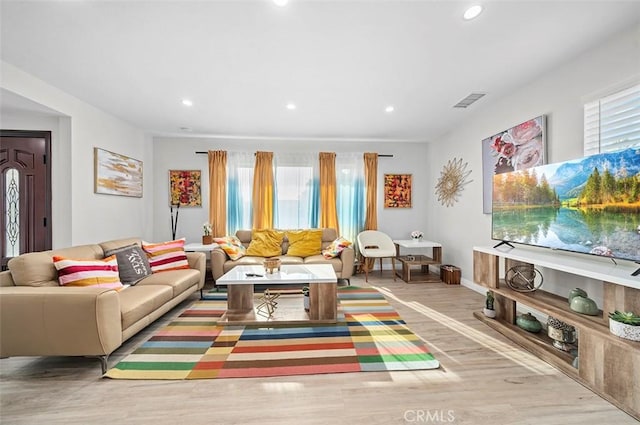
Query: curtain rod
x=379 y=155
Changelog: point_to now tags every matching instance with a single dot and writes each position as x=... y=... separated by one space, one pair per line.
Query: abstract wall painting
x=397 y=190
x=185 y=187
x=517 y=148
x=116 y=174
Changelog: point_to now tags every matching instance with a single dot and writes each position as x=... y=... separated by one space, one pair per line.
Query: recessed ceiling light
x=291 y=106
x=280 y=2
x=187 y=102
x=389 y=109
x=472 y=12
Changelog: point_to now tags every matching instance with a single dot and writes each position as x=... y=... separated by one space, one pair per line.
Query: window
x=296 y=192
x=613 y=122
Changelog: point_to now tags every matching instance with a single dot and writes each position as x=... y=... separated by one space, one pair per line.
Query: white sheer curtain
x=296 y=192
x=351 y=194
x=240 y=182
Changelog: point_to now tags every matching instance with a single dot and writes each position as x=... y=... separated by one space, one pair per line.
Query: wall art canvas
x=185 y=186
x=516 y=148
x=397 y=190
x=116 y=174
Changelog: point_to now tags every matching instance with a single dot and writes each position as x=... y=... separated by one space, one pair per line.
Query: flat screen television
x=589 y=205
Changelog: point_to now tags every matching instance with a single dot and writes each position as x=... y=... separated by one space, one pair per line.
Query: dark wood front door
x=25 y=185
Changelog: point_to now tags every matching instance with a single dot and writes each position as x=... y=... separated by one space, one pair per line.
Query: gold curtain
x=371 y=187
x=218 y=192
x=328 y=191
x=263 y=191
x=371 y=201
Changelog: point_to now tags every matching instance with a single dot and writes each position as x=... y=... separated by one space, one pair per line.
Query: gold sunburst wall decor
x=453 y=178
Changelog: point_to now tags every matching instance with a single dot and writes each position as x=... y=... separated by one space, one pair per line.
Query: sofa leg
x=104 y=363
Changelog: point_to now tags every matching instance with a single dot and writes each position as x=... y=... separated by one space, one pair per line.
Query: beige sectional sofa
x=343 y=264
x=38 y=317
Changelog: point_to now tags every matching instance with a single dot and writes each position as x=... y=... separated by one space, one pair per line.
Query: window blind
x=613 y=122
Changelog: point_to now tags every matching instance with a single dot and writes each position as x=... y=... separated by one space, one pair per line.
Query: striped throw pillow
x=165 y=256
x=99 y=273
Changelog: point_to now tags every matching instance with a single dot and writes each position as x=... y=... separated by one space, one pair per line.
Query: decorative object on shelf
x=584 y=305
x=575 y=293
x=174 y=220
x=529 y=323
x=625 y=325
x=397 y=190
x=523 y=278
x=417 y=235
x=116 y=174
x=184 y=187
x=562 y=334
x=453 y=178
x=305 y=297
x=517 y=148
x=271 y=264
x=488 y=305
x=207 y=238
x=576 y=362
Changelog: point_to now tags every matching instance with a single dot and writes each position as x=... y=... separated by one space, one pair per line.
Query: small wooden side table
x=199 y=247
x=423 y=261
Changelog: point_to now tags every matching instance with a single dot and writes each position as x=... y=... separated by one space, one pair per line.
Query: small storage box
x=450 y=274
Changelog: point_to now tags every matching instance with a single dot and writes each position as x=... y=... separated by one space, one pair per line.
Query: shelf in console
x=537 y=343
x=591 y=266
x=553 y=305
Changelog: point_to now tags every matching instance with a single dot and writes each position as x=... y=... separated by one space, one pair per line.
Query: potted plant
x=417 y=235
x=625 y=325
x=488 y=305
x=207 y=238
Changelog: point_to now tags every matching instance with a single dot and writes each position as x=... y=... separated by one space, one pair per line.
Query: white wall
x=79 y=215
x=179 y=154
x=559 y=95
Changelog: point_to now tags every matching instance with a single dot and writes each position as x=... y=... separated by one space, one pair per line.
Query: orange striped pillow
x=165 y=256
x=99 y=273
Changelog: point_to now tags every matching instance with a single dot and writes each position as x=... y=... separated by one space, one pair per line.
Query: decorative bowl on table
x=271 y=264
x=417 y=235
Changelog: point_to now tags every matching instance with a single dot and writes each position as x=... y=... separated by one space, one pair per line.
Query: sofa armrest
x=198 y=261
x=218 y=258
x=348 y=257
x=59 y=321
x=6 y=279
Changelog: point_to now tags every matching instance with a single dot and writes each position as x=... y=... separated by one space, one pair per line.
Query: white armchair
x=375 y=244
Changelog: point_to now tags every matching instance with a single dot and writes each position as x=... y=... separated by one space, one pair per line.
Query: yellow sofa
x=38 y=317
x=343 y=264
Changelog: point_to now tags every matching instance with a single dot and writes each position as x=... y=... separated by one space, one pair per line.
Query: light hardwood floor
x=483 y=379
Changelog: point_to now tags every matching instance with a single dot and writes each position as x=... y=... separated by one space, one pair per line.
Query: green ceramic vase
x=528 y=322
x=584 y=305
x=577 y=292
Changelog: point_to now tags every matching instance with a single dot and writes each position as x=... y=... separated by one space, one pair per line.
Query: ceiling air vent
x=469 y=100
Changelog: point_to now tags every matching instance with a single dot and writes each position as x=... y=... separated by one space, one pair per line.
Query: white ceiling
x=341 y=62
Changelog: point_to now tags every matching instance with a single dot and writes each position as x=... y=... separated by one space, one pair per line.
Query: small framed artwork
x=116 y=174
x=185 y=188
x=397 y=190
x=516 y=148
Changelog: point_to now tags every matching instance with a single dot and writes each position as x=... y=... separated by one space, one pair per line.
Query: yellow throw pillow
x=265 y=243
x=304 y=243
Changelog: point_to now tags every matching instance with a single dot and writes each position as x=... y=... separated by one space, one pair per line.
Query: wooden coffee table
x=323 y=288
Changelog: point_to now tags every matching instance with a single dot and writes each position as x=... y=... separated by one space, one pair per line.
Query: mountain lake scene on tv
x=589 y=205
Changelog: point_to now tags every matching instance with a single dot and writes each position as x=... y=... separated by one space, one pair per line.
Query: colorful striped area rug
x=369 y=336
